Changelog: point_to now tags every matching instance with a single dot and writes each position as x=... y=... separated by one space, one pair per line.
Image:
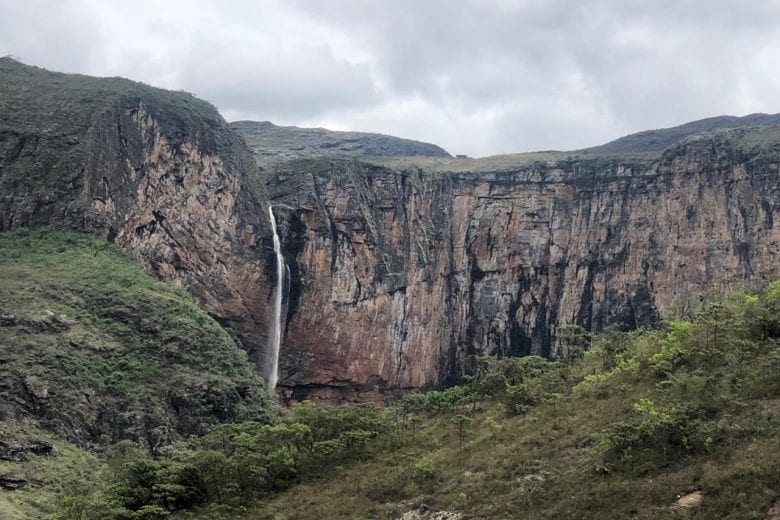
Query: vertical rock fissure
x=275 y=335
x=331 y=225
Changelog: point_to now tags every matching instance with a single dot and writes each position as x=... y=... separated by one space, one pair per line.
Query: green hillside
x=271 y=143
x=97 y=351
x=619 y=430
x=32 y=484
x=677 y=422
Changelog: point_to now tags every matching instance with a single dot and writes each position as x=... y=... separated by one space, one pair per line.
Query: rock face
x=399 y=277
x=158 y=172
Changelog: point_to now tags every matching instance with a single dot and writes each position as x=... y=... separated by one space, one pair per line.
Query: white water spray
x=275 y=336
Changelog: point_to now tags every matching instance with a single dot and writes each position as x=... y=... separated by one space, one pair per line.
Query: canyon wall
x=398 y=278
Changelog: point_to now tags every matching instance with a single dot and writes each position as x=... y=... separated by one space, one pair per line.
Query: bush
x=235 y=463
x=654 y=438
x=674 y=349
x=425 y=470
x=520 y=382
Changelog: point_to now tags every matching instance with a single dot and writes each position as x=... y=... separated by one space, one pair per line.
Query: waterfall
x=275 y=336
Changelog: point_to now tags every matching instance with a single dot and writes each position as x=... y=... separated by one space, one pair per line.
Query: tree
x=461 y=423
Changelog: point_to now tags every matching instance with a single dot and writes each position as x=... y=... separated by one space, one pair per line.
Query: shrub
x=655 y=438
x=520 y=382
x=425 y=470
x=674 y=348
x=574 y=341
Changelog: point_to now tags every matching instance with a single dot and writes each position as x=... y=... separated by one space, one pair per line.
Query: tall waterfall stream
x=275 y=337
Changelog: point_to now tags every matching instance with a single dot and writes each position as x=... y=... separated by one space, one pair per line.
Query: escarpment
x=403 y=269
x=160 y=173
x=401 y=277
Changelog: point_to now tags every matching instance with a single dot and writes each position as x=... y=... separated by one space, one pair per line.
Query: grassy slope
x=539 y=466
x=721 y=379
x=67 y=469
x=96 y=351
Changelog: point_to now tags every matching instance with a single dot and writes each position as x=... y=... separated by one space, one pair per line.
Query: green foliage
x=340 y=432
x=425 y=469
x=762 y=312
x=67 y=470
x=692 y=404
x=673 y=348
x=575 y=341
x=461 y=423
x=236 y=463
x=108 y=352
x=519 y=382
x=654 y=438
x=655 y=412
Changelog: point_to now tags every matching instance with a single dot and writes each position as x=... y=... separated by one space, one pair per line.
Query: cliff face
x=397 y=278
x=160 y=173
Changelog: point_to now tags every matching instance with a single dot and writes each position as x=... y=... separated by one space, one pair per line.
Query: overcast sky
x=475 y=76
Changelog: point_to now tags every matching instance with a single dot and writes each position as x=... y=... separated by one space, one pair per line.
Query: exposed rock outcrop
x=397 y=278
x=17 y=451
x=400 y=277
x=158 y=172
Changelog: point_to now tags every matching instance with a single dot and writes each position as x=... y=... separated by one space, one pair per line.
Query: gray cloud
x=34 y=31
x=273 y=85
x=475 y=76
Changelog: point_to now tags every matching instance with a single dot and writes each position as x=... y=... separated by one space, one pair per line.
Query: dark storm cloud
x=477 y=77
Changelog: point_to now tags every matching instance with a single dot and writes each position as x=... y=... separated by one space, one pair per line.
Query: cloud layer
x=475 y=76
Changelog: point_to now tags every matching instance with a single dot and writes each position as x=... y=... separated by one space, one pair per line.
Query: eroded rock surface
x=398 y=278
x=158 y=172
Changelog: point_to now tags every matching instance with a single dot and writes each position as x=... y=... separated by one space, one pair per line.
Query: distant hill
x=660 y=139
x=272 y=143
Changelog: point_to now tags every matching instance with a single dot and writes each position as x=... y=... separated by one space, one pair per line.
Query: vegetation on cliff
x=97 y=351
x=620 y=428
x=98 y=356
x=50 y=131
